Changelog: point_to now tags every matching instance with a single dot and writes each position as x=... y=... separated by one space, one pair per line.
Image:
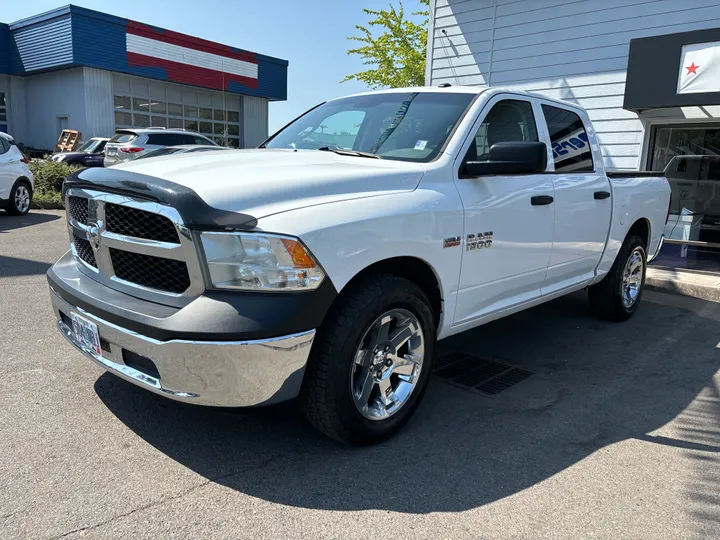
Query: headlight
x=259 y=262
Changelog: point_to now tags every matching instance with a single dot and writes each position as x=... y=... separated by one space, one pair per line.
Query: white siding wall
x=48 y=97
x=255 y=120
x=99 y=108
x=571 y=50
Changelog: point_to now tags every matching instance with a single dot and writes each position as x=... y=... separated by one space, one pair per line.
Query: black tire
x=12 y=209
x=606 y=297
x=326 y=396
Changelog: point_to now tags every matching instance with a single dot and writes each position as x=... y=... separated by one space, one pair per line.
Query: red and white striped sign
x=189 y=60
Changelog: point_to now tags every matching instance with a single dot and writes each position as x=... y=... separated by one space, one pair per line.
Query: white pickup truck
x=326 y=264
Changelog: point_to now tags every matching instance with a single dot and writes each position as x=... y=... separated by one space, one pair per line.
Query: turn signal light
x=300 y=257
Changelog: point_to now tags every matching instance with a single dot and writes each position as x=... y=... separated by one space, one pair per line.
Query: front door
x=508 y=240
x=583 y=203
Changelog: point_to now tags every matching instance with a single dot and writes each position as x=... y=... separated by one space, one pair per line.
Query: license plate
x=86 y=333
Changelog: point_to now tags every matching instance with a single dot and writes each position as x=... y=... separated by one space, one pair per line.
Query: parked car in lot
x=16 y=180
x=129 y=144
x=182 y=149
x=327 y=263
x=90 y=154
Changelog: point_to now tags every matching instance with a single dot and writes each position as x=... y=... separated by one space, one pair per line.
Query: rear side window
x=199 y=140
x=123 y=137
x=4 y=145
x=569 y=140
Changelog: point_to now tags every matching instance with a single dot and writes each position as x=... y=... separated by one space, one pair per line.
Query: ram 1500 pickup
x=326 y=263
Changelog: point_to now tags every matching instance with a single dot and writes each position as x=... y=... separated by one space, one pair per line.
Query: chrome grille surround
x=184 y=251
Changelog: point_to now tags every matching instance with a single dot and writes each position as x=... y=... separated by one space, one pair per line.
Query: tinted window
x=571 y=149
x=167 y=139
x=123 y=137
x=407 y=126
x=509 y=120
x=199 y=140
x=4 y=145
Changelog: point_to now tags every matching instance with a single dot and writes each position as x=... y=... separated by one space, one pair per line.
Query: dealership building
x=75 y=68
x=648 y=74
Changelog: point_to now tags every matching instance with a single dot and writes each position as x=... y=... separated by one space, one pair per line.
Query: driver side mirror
x=516 y=157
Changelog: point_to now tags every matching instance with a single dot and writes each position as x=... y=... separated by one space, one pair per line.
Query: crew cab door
x=508 y=219
x=583 y=199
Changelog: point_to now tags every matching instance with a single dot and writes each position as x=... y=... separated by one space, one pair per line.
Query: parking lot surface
x=616 y=434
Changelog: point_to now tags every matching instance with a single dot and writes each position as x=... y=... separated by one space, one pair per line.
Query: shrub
x=50 y=175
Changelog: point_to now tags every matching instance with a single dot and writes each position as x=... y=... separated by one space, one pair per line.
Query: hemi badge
x=451 y=242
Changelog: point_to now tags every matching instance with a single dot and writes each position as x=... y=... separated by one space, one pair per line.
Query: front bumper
x=215 y=373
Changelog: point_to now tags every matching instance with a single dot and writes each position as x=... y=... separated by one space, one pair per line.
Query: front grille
x=78 y=207
x=153 y=272
x=84 y=250
x=139 y=224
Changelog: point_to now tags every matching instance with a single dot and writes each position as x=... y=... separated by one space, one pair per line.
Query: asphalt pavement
x=616 y=434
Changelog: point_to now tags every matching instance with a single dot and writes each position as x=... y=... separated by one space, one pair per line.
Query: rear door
x=583 y=202
x=7 y=174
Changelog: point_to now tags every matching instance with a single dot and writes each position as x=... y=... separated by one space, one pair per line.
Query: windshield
x=93 y=145
x=409 y=126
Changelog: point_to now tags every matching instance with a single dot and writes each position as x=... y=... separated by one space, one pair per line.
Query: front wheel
x=618 y=295
x=371 y=361
x=20 y=198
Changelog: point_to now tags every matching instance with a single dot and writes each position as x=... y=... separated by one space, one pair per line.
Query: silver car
x=128 y=144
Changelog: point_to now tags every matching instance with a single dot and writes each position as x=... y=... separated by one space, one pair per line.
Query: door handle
x=541 y=200
x=600 y=195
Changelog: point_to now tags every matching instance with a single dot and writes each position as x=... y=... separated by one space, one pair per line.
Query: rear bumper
x=215 y=373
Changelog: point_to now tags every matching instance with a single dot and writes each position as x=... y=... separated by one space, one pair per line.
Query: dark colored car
x=90 y=154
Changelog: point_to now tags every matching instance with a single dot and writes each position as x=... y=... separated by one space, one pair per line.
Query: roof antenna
x=450 y=64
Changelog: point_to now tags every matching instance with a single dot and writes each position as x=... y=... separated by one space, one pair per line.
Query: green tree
x=397 y=53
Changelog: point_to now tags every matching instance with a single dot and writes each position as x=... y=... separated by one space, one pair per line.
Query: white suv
x=128 y=144
x=16 y=180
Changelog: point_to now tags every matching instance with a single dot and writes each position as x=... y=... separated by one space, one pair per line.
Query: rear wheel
x=618 y=295
x=20 y=198
x=371 y=361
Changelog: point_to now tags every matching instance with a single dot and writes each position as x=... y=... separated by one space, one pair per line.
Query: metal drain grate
x=486 y=376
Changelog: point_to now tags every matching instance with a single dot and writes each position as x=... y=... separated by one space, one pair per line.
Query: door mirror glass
x=521 y=157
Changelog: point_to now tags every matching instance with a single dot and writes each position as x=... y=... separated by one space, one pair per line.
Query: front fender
x=349 y=236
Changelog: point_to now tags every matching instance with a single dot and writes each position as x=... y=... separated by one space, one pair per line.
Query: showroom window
x=690 y=157
x=218 y=124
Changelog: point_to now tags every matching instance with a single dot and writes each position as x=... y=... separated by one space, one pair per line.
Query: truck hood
x=262 y=182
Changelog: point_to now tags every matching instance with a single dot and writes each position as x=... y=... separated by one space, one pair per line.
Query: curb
x=702 y=286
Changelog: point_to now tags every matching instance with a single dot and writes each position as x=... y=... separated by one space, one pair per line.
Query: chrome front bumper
x=224 y=374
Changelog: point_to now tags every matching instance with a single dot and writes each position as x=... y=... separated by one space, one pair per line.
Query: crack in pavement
x=172 y=498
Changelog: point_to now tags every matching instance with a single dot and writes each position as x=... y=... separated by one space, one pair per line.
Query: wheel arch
x=414 y=269
x=23 y=179
x=641 y=228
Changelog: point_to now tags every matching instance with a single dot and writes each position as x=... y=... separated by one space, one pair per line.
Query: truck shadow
x=594 y=384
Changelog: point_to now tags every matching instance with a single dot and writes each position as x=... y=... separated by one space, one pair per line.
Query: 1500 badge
x=479 y=241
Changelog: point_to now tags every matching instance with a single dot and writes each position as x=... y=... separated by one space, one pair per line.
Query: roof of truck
x=477 y=90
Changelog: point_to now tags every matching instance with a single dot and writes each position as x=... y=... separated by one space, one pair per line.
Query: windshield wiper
x=344 y=152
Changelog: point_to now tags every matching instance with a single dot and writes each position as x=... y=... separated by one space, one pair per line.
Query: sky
x=310 y=34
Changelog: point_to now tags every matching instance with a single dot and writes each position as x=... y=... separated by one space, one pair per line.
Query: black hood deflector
x=194 y=211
